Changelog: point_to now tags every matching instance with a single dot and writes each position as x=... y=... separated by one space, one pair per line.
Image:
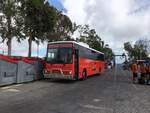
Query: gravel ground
x=112 y=92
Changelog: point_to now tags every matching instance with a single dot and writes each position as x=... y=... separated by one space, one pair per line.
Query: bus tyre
x=84 y=75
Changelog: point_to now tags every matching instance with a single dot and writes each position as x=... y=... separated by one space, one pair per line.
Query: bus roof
x=57 y=42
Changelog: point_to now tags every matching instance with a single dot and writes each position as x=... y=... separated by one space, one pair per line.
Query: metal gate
x=39 y=70
x=25 y=72
x=7 y=72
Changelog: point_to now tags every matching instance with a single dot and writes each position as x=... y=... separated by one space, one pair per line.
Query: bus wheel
x=84 y=75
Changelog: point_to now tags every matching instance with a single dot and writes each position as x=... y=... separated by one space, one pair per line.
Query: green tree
x=39 y=18
x=128 y=47
x=8 y=22
x=109 y=55
x=137 y=51
x=90 y=37
x=63 y=28
x=140 y=49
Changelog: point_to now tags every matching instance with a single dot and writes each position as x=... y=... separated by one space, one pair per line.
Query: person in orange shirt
x=134 y=69
x=143 y=72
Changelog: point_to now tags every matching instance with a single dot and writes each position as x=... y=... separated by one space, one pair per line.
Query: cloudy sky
x=116 y=21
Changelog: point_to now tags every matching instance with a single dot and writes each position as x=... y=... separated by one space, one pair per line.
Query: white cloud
x=75 y=10
x=116 y=21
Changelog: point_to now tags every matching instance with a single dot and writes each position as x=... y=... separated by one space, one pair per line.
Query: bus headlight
x=67 y=72
x=45 y=71
x=70 y=72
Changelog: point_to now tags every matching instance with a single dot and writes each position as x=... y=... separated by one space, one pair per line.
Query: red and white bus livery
x=72 y=60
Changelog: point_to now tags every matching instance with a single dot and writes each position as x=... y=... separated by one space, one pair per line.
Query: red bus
x=72 y=60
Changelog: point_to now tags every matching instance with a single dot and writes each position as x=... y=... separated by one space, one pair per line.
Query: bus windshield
x=59 y=55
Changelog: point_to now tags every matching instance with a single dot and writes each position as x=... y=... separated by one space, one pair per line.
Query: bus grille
x=56 y=71
x=66 y=73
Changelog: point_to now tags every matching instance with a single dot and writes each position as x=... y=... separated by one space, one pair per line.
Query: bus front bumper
x=59 y=76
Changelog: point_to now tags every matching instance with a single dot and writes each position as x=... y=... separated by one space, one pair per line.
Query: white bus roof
x=56 y=42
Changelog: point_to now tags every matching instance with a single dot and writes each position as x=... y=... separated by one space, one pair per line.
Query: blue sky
x=58 y=4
